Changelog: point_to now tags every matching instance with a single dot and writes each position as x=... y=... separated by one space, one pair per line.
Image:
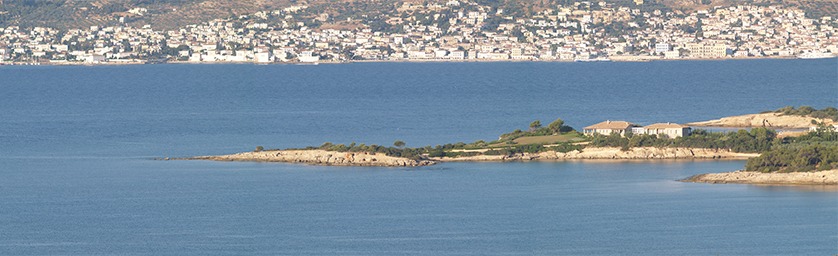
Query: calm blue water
x=75 y=174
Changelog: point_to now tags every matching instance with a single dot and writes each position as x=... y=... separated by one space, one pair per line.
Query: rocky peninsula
x=319 y=157
x=787 y=161
x=774 y=120
x=790 y=178
x=335 y=158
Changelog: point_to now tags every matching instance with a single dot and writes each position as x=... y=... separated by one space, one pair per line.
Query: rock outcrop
x=793 y=178
x=319 y=157
x=771 y=120
x=611 y=153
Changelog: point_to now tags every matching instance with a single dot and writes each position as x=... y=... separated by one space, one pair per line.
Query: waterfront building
x=4 y=52
x=671 y=130
x=700 y=50
x=263 y=57
x=662 y=47
x=608 y=127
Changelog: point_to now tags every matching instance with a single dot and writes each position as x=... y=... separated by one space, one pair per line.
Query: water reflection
x=800 y=188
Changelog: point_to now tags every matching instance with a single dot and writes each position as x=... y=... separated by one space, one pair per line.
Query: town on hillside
x=456 y=30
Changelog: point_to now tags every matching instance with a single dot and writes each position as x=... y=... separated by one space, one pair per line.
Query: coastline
x=317 y=157
x=608 y=153
x=335 y=158
x=615 y=59
x=829 y=177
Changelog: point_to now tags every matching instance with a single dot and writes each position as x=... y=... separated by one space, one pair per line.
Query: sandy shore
x=793 y=178
x=771 y=120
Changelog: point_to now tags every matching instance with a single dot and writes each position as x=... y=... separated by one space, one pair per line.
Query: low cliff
x=775 y=120
x=610 y=153
x=319 y=157
x=792 y=178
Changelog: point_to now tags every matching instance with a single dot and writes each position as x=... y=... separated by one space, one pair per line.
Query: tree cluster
x=753 y=141
x=536 y=129
x=796 y=158
x=828 y=112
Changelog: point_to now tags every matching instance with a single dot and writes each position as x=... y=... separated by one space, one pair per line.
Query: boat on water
x=815 y=55
x=601 y=59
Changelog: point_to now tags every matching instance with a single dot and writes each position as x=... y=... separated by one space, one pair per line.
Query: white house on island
x=608 y=127
x=671 y=130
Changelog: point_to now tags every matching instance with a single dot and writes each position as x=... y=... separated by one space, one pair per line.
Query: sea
x=79 y=175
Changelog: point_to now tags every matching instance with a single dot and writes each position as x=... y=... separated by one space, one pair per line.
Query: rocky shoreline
x=334 y=158
x=608 y=153
x=793 y=178
x=319 y=157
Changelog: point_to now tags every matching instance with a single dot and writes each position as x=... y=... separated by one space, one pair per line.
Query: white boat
x=815 y=55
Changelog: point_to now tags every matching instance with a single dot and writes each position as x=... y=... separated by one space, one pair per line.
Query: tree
x=259 y=149
x=399 y=144
x=556 y=126
x=535 y=125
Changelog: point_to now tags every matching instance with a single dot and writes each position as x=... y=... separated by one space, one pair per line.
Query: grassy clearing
x=548 y=139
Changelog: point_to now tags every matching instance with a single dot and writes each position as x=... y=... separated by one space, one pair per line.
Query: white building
x=4 y=53
x=457 y=55
x=308 y=56
x=493 y=55
x=263 y=57
x=671 y=130
x=608 y=127
x=662 y=47
x=93 y=58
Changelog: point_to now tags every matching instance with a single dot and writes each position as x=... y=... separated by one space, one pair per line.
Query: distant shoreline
x=143 y=62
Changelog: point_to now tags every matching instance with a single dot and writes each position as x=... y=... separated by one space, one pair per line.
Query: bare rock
x=320 y=157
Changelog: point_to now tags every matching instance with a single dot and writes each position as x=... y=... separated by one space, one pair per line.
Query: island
x=809 y=157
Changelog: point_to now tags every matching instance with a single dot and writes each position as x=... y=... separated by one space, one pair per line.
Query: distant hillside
x=158 y=13
x=168 y=14
x=813 y=8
